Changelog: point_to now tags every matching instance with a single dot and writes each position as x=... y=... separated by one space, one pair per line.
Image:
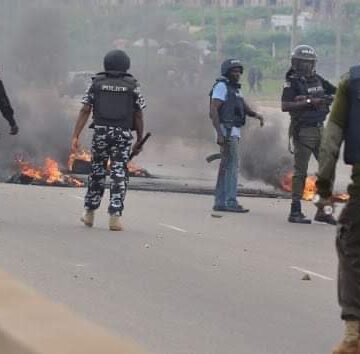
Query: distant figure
x=251 y=79
x=7 y=111
x=228 y=111
x=117 y=104
x=258 y=79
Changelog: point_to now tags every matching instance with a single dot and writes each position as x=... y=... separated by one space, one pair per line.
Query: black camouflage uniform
x=112 y=137
x=307 y=120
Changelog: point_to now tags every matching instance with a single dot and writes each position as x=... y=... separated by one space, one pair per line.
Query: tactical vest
x=232 y=111
x=352 y=131
x=114 y=99
x=310 y=87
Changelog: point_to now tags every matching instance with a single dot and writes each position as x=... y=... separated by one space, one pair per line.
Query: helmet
x=303 y=60
x=229 y=64
x=116 y=60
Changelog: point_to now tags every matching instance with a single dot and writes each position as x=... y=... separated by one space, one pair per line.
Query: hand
x=14 y=130
x=261 y=119
x=317 y=101
x=136 y=148
x=220 y=140
x=74 y=145
x=300 y=98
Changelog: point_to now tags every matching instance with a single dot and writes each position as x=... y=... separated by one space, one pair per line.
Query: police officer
x=228 y=111
x=344 y=125
x=7 y=111
x=307 y=97
x=117 y=104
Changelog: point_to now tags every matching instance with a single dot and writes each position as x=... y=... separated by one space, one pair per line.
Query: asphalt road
x=178 y=280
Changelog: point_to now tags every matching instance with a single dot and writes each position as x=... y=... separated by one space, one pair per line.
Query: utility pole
x=294 y=32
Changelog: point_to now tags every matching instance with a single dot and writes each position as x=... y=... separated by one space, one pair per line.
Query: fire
x=286 y=182
x=49 y=173
x=82 y=155
x=134 y=169
x=85 y=155
x=310 y=188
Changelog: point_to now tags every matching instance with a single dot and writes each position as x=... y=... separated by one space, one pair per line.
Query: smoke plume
x=264 y=156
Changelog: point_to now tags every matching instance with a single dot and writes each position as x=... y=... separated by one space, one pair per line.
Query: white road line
x=324 y=277
x=172 y=227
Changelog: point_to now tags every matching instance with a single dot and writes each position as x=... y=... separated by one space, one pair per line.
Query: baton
x=142 y=142
x=213 y=157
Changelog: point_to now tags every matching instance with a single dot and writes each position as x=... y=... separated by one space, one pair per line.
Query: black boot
x=296 y=216
x=322 y=217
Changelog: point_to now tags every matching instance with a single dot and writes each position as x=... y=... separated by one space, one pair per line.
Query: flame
x=48 y=174
x=85 y=155
x=135 y=169
x=286 y=182
x=310 y=188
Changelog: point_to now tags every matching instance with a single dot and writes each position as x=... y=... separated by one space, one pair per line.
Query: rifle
x=142 y=143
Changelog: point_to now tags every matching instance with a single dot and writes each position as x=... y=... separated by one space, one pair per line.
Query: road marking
x=172 y=227
x=324 y=277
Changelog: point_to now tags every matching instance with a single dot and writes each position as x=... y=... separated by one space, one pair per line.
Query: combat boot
x=115 y=223
x=88 y=217
x=296 y=216
x=323 y=217
x=351 y=341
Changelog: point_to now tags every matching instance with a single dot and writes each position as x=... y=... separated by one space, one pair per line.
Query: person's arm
x=218 y=97
x=329 y=88
x=82 y=119
x=215 y=106
x=332 y=140
x=291 y=101
x=138 y=117
x=7 y=111
x=249 y=112
x=139 y=129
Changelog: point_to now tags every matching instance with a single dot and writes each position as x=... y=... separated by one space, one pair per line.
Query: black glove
x=14 y=130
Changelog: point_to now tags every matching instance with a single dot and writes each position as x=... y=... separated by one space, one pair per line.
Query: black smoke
x=264 y=153
x=35 y=62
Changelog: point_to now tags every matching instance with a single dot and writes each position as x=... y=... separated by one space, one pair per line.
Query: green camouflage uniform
x=348 y=235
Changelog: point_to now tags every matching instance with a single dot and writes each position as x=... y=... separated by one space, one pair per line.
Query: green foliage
x=319 y=35
x=265 y=39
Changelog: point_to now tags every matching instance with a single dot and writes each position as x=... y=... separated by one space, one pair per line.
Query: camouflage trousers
x=348 y=248
x=109 y=144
